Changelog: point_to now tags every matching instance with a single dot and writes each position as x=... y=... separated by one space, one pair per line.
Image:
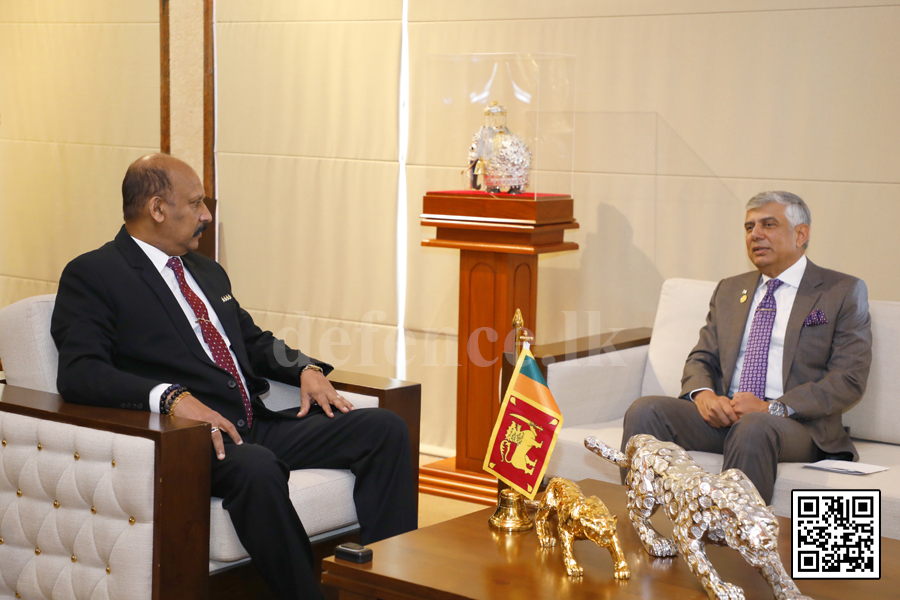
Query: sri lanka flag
x=525 y=432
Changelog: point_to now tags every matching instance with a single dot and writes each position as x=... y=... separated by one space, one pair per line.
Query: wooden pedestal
x=499 y=237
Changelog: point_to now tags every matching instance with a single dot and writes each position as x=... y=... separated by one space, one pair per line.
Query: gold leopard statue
x=578 y=518
x=722 y=509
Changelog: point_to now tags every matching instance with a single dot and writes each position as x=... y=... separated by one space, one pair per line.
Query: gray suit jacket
x=825 y=366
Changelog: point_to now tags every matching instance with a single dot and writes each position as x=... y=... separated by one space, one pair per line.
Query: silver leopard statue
x=722 y=509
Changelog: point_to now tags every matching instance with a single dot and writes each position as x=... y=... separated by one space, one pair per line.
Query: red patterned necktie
x=756 y=357
x=211 y=335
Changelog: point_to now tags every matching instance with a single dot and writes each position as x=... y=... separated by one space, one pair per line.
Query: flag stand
x=511 y=515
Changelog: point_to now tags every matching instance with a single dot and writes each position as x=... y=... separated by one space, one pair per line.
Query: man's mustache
x=201 y=229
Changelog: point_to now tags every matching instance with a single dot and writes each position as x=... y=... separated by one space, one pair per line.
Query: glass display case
x=500 y=125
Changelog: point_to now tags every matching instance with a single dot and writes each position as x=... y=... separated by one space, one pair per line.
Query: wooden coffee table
x=464 y=559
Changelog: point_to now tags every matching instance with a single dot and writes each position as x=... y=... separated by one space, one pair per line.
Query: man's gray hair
x=795 y=209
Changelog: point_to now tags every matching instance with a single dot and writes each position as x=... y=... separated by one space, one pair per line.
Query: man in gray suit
x=785 y=350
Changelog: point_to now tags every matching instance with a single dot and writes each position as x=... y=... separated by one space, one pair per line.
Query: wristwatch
x=313 y=367
x=777 y=408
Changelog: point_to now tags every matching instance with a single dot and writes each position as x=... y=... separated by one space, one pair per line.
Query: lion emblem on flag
x=523 y=441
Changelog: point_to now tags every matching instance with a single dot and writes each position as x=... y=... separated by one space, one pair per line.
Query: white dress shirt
x=159 y=260
x=784 y=302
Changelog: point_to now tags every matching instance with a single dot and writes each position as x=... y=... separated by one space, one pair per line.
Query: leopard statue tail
x=604 y=451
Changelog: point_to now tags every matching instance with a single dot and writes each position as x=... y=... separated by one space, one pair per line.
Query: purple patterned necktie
x=211 y=335
x=756 y=358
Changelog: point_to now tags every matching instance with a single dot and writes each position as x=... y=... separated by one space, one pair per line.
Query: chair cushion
x=795 y=476
x=683 y=306
x=570 y=459
x=29 y=355
x=598 y=388
x=323 y=498
x=876 y=417
x=573 y=461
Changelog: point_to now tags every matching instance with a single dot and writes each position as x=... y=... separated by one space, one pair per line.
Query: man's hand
x=314 y=387
x=191 y=408
x=715 y=410
x=746 y=402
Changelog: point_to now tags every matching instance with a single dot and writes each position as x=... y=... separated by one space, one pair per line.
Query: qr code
x=836 y=534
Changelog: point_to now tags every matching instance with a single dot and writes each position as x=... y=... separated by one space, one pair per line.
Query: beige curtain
x=79 y=100
x=308 y=172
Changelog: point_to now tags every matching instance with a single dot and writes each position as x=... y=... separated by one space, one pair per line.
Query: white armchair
x=109 y=503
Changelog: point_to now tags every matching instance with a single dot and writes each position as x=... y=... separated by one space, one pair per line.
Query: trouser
x=252 y=482
x=755 y=444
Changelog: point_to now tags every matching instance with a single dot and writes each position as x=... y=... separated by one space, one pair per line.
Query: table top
x=464 y=559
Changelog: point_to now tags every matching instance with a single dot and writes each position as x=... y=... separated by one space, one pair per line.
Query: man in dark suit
x=146 y=323
x=785 y=350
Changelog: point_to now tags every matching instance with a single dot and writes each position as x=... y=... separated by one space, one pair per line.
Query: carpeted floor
x=434 y=509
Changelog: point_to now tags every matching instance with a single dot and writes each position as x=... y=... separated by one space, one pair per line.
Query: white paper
x=846 y=467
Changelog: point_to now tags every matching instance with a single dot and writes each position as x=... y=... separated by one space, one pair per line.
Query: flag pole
x=521 y=333
x=511 y=515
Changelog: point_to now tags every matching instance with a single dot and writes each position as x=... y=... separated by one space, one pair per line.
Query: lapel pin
x=226 y=297
x=744 y=297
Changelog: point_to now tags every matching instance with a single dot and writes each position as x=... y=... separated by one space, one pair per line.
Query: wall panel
x=501 y=10
x=362 y=347
x=82 y=11
x=57 y=201
x=307 y=141
x=309 y=234
x=432 y=362
x=13 y=289
x=80 y=83
x=273 y=11
x=79 y=100
x=309 y=89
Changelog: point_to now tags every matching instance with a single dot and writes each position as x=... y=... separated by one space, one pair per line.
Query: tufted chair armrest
x=75 y=480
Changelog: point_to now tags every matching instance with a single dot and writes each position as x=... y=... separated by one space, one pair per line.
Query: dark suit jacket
x=825 y=366
x=120 y=332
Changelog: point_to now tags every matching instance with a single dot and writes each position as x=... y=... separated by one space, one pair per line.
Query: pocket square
x=816 y=317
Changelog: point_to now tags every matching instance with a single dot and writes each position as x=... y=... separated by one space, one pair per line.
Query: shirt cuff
x=155 y=394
